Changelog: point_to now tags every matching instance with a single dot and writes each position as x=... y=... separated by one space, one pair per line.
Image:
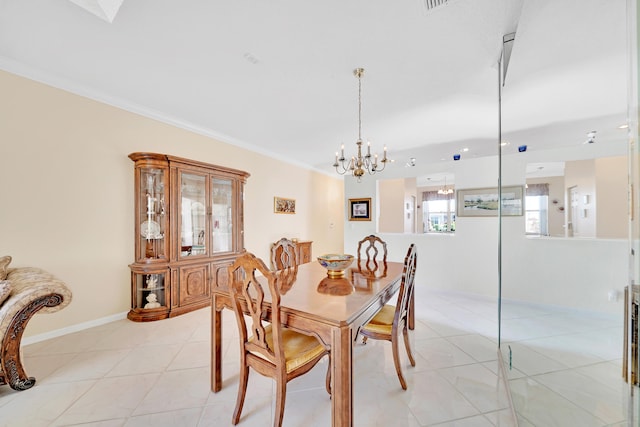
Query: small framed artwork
x=284 y=206
x=484 y=201
x=360 y=209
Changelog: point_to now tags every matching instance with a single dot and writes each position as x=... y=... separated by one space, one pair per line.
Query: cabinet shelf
x=182 y=254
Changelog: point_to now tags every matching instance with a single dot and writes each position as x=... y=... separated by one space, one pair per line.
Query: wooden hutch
x=188 y=229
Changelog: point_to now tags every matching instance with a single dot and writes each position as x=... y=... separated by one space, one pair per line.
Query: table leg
x=216 y=346
x=342 y=377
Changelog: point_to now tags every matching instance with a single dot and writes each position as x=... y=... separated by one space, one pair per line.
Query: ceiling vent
x=431 y=4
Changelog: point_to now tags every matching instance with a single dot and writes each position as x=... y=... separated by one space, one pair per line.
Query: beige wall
x=67 y=192
x=604 y=182
x=611 y=197
x=391 y=219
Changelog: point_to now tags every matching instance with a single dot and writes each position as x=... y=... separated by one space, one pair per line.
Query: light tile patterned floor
x=157 y=374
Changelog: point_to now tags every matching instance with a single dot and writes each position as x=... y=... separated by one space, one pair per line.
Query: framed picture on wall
x=284 y=206
x=360 y=209
x=484 y=201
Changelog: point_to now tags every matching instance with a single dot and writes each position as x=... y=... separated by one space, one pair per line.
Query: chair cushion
x=298 y=348
x=5 y=290
x=383 y=320
x=4 y=266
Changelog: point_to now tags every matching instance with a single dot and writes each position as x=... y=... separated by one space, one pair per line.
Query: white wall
x=581 y=176
x=575 y=273
x=409 y=206
x=67 y=193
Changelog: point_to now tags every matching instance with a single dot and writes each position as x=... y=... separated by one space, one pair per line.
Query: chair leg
x=405 y=332
x=396 y=361
x=281 y=393
x=242 y=391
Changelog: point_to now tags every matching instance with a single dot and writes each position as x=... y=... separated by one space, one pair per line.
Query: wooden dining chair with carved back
x=372 y=253
x=284 y=254
x=393 y=319
x=266 y=346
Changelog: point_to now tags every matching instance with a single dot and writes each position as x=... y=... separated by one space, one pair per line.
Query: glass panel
x=222 y=202
x=192 y=215
x=563 y=307
x=152 y=213
x=630 y=356
x=150 y=291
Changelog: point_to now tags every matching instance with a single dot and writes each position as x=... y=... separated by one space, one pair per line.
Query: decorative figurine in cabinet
x=188 y=228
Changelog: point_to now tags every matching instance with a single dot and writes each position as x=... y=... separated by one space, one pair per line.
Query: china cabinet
x=188 y=229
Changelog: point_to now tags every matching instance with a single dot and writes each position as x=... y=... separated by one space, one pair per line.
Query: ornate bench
x=32 y=290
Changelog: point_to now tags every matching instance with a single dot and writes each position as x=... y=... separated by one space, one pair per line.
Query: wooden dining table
x=331 y=309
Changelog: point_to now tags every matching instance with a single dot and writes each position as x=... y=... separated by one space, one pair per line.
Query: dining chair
x=266 y=345
x=370 y=249
x=284 y=254
x=390 y=320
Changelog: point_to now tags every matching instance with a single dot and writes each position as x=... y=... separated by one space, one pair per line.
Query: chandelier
x=445 y=190
x=359 y=164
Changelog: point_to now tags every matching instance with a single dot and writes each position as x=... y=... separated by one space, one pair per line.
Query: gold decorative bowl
x=335 y=263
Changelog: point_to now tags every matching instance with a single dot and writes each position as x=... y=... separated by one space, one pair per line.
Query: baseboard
x=73 y=328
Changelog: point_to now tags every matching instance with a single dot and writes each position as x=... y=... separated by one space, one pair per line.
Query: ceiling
x=277 y=76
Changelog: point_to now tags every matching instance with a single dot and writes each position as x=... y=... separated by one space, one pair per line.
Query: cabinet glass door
x=152 y=220
x=222 y=208
x=192 y=215
x=150 y=291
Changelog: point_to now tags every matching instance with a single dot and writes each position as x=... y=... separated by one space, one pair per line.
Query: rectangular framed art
x=284 y=206
x=360 y=209
x=484 y=201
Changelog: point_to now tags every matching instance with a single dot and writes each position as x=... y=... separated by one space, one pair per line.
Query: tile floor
x=566 y=367
x=157 y=374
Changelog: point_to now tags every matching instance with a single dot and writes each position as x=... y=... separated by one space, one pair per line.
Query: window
x=438 y=212
x=537 y=209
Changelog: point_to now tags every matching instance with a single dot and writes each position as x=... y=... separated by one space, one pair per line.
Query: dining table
x=333 y=309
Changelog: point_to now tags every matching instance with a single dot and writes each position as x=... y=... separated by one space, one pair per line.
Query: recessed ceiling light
x=465 y=150
x=624 y=126
x=504 y=143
